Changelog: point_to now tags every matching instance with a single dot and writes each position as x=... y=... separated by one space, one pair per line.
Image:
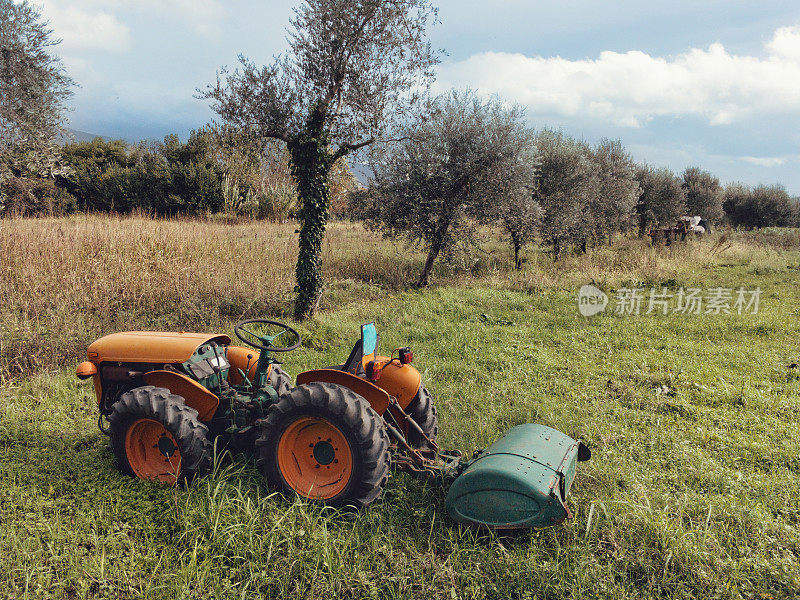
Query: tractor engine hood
x=150 y=346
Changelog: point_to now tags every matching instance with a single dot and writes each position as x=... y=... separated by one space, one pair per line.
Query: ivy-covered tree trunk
x=310 y=163
x=517 y=243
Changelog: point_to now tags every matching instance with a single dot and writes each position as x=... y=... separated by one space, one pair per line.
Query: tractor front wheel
x=324 y=442
x=155 y=435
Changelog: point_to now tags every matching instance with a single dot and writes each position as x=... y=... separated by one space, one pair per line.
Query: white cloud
x=82 y=28
x=203 y=15
x=632 y=88
x=100 y=24
x=765 y=161
x=786 y=43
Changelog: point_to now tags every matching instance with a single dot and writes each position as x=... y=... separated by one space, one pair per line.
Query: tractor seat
x=359 y=369
x=353 y=364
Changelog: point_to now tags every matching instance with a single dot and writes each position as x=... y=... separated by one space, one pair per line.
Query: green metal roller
x=520 y=481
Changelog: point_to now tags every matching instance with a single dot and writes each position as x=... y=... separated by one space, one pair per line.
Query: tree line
x=569 y=194
x=208 y=174
x=164 y=178
x=464 y=162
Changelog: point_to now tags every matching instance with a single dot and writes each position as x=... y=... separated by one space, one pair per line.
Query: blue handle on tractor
x=520 y=481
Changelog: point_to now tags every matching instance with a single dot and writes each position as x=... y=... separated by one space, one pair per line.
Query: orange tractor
x=164 y=397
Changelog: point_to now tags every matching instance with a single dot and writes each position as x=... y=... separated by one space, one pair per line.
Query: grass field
x=692 y=491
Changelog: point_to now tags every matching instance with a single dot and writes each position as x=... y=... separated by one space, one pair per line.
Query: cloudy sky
x=714 y=83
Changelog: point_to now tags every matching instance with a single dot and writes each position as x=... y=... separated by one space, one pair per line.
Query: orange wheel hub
x=315 y=458
x=152 y=451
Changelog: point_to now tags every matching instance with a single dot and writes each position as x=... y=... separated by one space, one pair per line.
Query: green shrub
x=168 y=178
x=33 y=196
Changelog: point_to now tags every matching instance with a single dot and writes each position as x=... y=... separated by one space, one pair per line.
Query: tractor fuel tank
x=520 y=481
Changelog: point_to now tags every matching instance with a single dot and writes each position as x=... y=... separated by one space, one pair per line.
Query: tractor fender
x=400 y=381
x=378 y=399
x=195 y=395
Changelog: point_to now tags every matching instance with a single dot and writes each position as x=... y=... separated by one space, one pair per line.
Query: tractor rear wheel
x=155 y=435
x=324 y=442
x=280 y=380
x=422 y=410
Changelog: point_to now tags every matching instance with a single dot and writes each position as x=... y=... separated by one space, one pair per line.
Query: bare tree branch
x=345 y=149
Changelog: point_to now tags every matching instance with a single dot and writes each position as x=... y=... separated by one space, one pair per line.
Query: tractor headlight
x=85 y=370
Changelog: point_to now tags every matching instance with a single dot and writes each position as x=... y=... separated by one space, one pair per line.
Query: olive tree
x=662 y=199
x=703 y=194
x=737 y=204
x=566 y=184
x=459 y=162
x=613 y=196
x=352 y=67
x=519 y=210
x=521 y=214
x=34 y=89
x=762 y=206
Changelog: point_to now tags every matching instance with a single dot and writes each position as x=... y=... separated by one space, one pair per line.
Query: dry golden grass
x=66 y=281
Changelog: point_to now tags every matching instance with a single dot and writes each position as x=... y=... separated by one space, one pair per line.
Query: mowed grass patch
x=692 y=490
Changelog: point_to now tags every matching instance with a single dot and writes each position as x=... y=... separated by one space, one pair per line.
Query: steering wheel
x=265 y=341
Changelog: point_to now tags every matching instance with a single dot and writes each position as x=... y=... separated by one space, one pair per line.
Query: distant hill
x=85 y=136
x=79 y=136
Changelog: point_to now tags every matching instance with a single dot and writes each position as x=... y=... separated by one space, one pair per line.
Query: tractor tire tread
x=280 y=380
x=423 y=411
x=350 y=412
